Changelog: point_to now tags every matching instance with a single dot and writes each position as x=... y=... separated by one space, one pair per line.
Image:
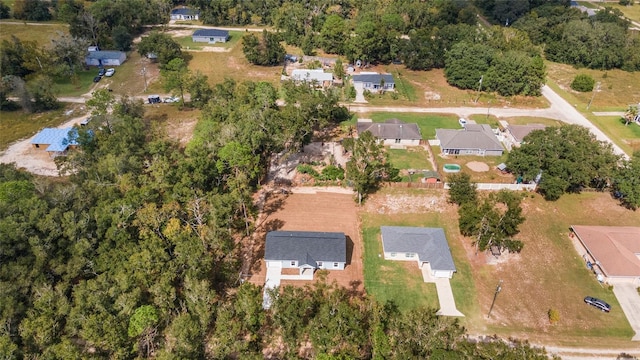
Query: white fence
x=492 y=186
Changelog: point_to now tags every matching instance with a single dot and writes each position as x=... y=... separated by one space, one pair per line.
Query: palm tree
x=631 y=114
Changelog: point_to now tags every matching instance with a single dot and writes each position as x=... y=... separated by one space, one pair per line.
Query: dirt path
x=36 y=161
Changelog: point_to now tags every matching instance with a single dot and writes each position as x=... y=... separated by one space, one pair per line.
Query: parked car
x=97 y=78
x=171 y=99
x=101 y=72
x=462 y=122
x=110 y=72
x=597 y=303
x=153 y=99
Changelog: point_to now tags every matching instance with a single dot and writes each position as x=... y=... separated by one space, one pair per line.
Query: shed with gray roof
x=210 y=36
x=392 y=131
x=306 y=249
x=474 y=139
x=427 y=246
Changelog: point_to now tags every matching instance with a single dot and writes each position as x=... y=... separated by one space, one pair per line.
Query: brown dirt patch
x=478 y=166
x=312 y=212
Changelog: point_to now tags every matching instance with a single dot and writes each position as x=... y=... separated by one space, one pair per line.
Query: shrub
x=307 y=169
x=554 y=315
x=583 y=83
x=332 y=173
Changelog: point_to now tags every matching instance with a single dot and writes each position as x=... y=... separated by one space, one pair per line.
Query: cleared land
x=322 y=211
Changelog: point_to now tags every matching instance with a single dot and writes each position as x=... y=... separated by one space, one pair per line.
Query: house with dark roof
x=374 y=82
x=474 y=139
x=210 y=36
x=391 y=132
x=105 y=58
x=613 y=252
x=426 y=246
x=55 y=141
x=306 y=250
x=185 y=13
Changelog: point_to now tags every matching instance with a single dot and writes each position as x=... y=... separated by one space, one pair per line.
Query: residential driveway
x=445 y=297
x=359 y=93
x=272 y=282
x=629 y=300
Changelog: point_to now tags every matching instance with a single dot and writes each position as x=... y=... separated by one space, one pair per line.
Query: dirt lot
x=322 y=211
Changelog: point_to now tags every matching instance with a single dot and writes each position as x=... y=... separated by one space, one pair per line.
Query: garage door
x=441 y=274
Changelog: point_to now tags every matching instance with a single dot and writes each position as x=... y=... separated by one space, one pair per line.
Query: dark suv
x=598 y=303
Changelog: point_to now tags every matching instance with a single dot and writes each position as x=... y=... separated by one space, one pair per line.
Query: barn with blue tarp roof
x=57 y=141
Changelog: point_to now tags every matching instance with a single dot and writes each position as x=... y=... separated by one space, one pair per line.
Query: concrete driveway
x=445 y=297
x=629 y=300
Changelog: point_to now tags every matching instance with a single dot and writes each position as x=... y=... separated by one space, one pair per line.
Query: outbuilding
x=55 y=141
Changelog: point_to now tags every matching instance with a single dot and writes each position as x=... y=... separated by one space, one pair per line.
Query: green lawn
x=428 y=123
x=413 y=157
x=631 y=12
x=16 y=125
x=78 y=85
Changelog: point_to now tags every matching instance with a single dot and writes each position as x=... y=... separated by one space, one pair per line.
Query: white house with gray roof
x=427 y=246
x=306 y=250
x=185 y=13
x=474 y=139
x=374 y=82
x=392 y=132
x=210 y=36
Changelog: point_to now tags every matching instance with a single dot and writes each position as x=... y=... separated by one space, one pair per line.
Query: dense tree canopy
x=567 y=157
x=626 y=182
x=264 y=50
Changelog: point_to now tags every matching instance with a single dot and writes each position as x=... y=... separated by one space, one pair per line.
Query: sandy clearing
x=35 y=161
x=478 y=166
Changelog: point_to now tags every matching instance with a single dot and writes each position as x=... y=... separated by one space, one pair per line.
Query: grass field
x=66 y=86
x=16 y=125
x=42 y=34
x=413 y=157
x=631 y=12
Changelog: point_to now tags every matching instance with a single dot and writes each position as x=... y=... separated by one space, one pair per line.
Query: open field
x=16 y=125
x=322 y=211
x=628 y=137
x=41 y=33
x=631 y=12
x=176 y=124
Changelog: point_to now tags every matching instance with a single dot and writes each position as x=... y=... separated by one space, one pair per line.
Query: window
x=398 y=141
x=293 y=263
x=319 y=263
x=393 y=254
x=410 y=255
x=335 y=265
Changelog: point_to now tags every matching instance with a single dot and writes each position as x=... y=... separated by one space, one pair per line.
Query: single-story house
x=185 y=13
x=613 y=252
x=392 y=131
x=474 y=139
x=105 y=58
x=315 y=76
x=427 y=246
x=306 y=250
x=210 y=36
x=514 y=134
x=55 y=141
x=374 y=82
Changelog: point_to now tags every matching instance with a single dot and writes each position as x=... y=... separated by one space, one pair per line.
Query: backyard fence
x=479 y=186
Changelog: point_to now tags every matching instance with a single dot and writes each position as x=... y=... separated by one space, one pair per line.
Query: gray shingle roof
x=211 y=32
x=520 y=131
x=373 y=78
x=105 y=54
x=473 y=136
x=429 y=243
x=184 y=11
x=391 y=129
x=306 y=247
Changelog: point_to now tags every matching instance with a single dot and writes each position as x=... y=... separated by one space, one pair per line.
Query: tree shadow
x=275 y=201
x=350 y=246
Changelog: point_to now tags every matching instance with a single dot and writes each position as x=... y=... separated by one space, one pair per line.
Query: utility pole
x=498 y=289
x=479 y=88
x=144 y=74
x=595 y=91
